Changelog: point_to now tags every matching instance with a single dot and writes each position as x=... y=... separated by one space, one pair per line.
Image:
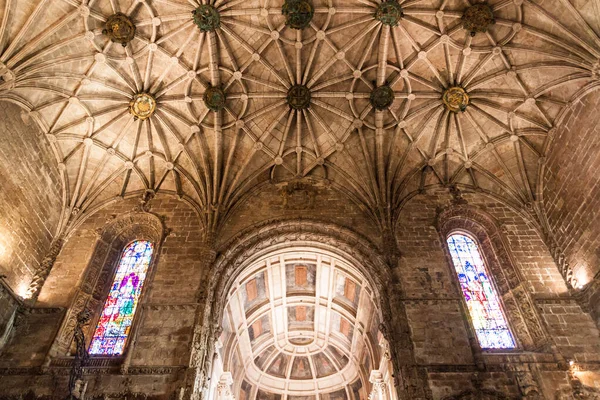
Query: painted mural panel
x=300 y=277
x=301 y=369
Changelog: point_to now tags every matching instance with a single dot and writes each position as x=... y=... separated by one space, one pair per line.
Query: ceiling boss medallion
x=214 y=98
x=389 y=13
x=298 y=13
x=382 y=97
x=119 y=28
x=207 y=18
x=298 y=97
x=455 y=99
x=142 y=106
x=478 y=18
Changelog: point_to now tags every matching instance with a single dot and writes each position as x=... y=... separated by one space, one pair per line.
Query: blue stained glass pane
x=115 y=321
x=482 y=300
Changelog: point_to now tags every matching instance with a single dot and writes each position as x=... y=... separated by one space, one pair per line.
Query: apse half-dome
x=298 y=323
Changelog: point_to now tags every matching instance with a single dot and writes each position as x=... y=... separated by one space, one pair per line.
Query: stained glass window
x=115 y=321
x=482 y=299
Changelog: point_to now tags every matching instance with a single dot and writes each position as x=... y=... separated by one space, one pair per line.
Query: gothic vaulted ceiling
x=380 y=100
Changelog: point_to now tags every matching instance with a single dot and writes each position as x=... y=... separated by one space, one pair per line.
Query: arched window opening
x=115 y=322
x=483 y=302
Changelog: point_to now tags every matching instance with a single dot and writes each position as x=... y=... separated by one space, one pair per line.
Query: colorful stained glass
x=115 y=321
x=482 y=299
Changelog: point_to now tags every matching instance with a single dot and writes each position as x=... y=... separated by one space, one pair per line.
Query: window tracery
x=488 y=319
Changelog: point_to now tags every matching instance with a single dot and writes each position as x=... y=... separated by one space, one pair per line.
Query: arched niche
x=520 y=309
x=276 y=237
x=94 y=285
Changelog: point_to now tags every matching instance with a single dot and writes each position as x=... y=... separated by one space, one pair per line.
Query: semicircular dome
x=300 y=322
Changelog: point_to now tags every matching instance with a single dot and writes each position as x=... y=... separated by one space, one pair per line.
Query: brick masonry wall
x=573 y=331
x=30 y=197
x=572 y=188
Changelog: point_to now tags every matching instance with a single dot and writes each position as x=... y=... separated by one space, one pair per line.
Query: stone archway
x=254 y=243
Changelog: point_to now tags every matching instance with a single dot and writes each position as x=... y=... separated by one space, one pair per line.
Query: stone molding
x=65 y=364
x=254 y=242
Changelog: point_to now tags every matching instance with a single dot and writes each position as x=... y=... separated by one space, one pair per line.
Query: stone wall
x=160 y=342
x=308 y=200
x=440 y=337
x=572 y=188
x=30 y=197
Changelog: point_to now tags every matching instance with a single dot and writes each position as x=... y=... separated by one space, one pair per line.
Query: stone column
x=224 y=387
x=410 y=379
x=379 y=391
x=206 y=332
x=39 y=278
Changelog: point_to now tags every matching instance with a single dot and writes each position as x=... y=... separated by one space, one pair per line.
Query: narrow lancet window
x=115 y=321
x=482 y=299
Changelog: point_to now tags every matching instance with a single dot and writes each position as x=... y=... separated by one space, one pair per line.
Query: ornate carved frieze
x=480 y=394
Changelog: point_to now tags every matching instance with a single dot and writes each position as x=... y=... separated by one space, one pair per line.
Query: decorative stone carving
x=142 y=106
x=207 y=18
x=35 y=287
x=527 y=385
x=478 y=18
x=379 y=391
x=298 y=13
x=214 y=98
x=480 y=394
x=298 y=97
x=382 y=97
x=76 y=384
x=389 y=13
x=119 y=28
x=563 y=265
x=224 y=387
x=457 y=198
x=455 y=99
